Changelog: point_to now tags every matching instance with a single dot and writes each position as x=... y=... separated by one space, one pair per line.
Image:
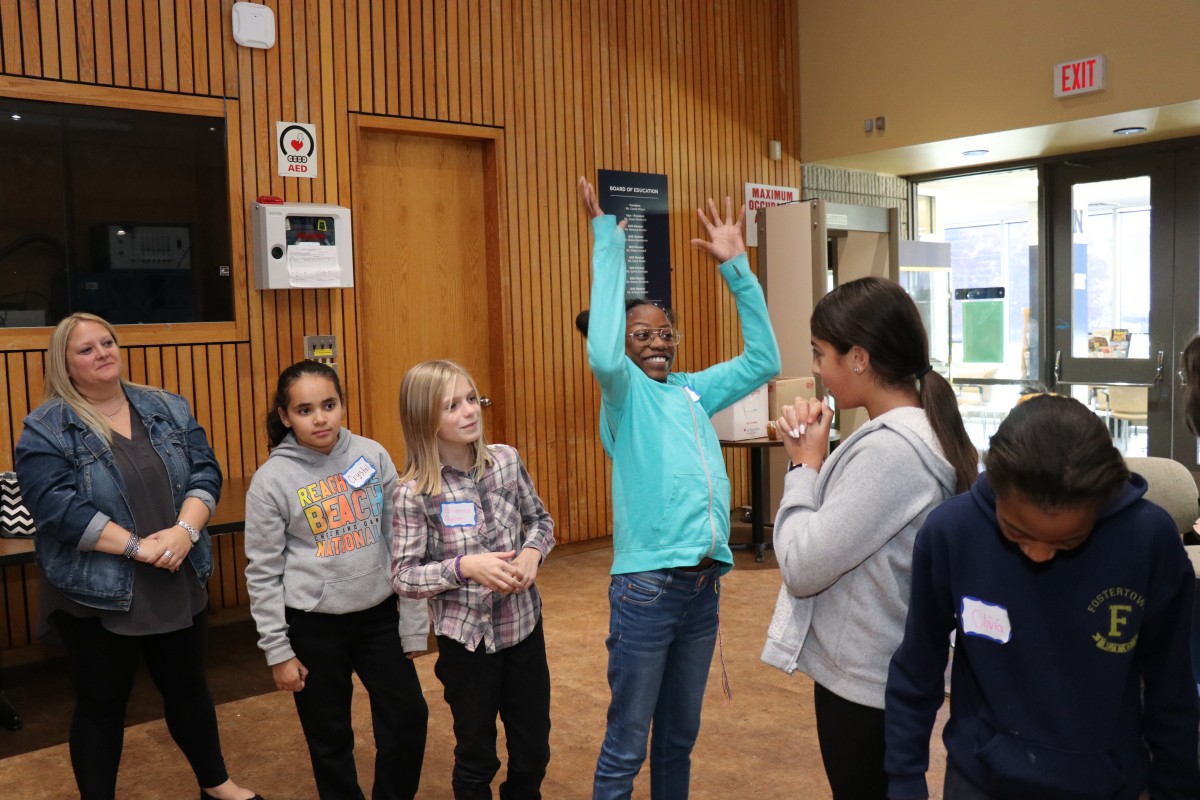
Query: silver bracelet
x=193 y=534
x=132 y=546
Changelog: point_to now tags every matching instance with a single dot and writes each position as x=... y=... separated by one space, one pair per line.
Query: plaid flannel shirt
x=507 y=514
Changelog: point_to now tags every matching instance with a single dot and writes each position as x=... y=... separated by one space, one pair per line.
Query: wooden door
x=424 y=218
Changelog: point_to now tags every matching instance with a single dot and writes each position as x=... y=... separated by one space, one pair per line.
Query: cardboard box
x=745 y=419
x=783 y=391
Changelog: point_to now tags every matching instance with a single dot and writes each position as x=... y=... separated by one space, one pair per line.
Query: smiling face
x=654 y=356
x=1041 y=534
x=93 y=359
x=314 y=412
x=460 y=422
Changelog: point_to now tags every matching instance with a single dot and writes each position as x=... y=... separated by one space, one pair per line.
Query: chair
x=1128 y=408
x=1172 y=487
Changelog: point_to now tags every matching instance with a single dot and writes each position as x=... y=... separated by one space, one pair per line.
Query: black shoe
x=8 y=717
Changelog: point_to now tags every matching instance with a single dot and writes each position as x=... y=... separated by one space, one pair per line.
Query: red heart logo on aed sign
x=296 y=144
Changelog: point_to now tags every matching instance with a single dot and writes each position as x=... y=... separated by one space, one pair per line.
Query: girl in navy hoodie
x=1071 y=596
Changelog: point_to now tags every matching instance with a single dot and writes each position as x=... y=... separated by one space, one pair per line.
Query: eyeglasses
x=668 y=336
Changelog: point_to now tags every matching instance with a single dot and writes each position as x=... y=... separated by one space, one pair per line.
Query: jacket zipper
x=712 y=539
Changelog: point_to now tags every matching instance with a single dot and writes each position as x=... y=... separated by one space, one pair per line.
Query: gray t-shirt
x=162 y=601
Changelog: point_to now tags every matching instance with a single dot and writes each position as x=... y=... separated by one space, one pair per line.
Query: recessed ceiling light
x=1130 y=131
x=975 y=153
x=16 y=116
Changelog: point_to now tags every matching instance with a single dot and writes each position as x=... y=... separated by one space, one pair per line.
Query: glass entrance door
x=1121 y=306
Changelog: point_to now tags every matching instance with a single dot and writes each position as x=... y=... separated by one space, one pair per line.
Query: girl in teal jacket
x=670 y=500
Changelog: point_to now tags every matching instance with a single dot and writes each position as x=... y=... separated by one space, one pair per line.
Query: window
x=117 y=212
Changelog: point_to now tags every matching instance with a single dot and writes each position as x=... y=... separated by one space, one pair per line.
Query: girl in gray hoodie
x=845 y=528
x=318 y=520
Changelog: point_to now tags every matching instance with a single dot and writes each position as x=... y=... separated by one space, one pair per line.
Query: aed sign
x=296 y=146
x=1079 y=77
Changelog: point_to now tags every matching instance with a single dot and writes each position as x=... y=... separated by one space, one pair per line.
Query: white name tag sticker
x=691 y=393
x=458 y=515
x=359 y=473
x=987 y=620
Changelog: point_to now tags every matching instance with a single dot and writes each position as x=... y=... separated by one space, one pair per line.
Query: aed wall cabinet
x=302 y=246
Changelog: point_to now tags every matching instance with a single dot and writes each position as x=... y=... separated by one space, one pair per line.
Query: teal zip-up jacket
x=669 y=485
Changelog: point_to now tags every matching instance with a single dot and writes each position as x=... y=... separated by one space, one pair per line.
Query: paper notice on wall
x=760 y=196
x=313 y=266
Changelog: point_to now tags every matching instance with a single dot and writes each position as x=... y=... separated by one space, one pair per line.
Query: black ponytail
x=881 y=318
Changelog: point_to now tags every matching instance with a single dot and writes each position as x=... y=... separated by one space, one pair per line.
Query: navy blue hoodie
x=1050 y=659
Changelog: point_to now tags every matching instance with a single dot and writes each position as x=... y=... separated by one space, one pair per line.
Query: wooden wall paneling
x=490 y=71
x=469 y=43
x=433 y=60
x=312 y=63
x=391 y=59
x=404 y=57
x=35 y=379
x=199 y=26
x=450 y=80
x=378 y=57
x=10 y=37
x=253 y=437
x=236 y=421
x=119 y=34
x=136 y=33
x=85 y=41
x=185 y=48
x=10 y=429
x=152 y=34
x=49 y=29
x=168 y=43
x=135 y=364
x=102 y=40
x=366 y=70
x=30 y=38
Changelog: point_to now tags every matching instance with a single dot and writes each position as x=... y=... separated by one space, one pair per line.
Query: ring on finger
x=168 y=554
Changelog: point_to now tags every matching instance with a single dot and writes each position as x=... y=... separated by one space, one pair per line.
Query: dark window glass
x=121 y=213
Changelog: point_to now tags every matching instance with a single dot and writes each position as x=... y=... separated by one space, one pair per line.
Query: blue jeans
x=662 y=630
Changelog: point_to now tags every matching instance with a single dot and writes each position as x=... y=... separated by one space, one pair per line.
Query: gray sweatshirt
x=844 y=539
x=317 y=529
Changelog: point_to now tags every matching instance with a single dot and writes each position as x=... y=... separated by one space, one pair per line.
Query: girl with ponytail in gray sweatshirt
x=318 y=516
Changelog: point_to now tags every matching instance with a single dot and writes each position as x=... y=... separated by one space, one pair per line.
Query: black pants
x=514 y=683
x=851 y=737
x=103 y=666
x=332 y=647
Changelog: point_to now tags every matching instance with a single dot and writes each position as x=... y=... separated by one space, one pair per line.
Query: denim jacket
x=70 y=482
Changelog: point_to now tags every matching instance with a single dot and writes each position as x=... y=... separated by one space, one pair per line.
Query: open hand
x=591 y=201
x=724 y=236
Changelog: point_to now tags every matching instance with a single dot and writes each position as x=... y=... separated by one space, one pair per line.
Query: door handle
x=485 y=401
x=1158 y=371
x=1057 y=365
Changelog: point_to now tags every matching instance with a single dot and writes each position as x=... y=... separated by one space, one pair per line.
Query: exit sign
x=1079 y=77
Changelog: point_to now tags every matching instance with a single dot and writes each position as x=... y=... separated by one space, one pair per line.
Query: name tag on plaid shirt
x=458 y=515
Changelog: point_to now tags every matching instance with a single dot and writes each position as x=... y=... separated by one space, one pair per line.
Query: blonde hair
x=421 y=396
x=58 y=377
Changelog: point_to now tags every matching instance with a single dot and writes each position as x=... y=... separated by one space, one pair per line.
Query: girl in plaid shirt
x=469 y=533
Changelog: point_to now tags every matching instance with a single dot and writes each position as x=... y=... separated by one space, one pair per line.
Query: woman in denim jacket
x=121 y=481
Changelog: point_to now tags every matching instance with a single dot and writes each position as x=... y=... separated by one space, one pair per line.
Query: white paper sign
x=760 y=196
x=296 y=146
x=313 y=266
x=984 y=619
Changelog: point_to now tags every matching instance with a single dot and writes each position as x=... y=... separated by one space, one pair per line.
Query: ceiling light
x=16 y=116
x=975 y=153
x=1130 y=131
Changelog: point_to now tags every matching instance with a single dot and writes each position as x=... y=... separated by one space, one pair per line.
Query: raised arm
x=606 y=325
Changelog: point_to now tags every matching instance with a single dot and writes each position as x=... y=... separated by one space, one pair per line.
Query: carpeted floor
x=761 y=744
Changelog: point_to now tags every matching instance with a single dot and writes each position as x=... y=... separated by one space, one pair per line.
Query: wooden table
x=759 y=499
x=228 y=518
